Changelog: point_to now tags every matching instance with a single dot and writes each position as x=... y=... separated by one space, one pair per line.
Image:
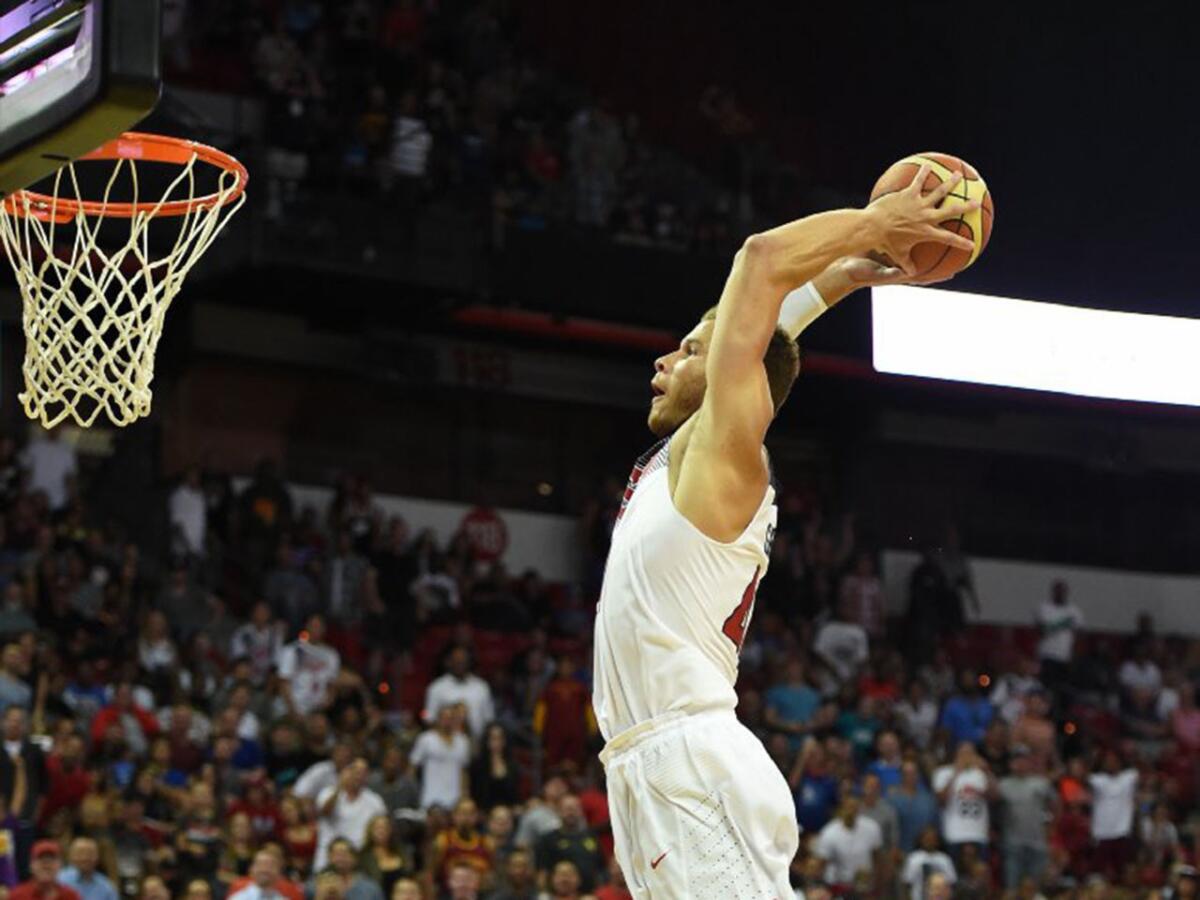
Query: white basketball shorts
x=699 y=810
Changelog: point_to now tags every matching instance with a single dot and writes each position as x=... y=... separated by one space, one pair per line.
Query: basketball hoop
x=93 y=318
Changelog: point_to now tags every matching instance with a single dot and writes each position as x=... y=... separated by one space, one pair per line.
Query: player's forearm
x=799 y=251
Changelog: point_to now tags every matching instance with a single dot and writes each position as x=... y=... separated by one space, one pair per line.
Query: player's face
x=679 y=381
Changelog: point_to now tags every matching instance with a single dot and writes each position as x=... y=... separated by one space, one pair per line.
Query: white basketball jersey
x=674 y=606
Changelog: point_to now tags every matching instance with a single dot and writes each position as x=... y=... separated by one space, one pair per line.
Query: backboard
x=73 y=74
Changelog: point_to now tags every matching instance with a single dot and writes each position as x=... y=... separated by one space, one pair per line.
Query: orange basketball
x=937 y=262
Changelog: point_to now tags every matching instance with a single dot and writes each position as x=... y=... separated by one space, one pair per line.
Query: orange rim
x=136 y=146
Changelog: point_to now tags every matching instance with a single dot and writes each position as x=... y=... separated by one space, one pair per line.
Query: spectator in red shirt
x=44 y=864
x=257 y=803
x=1071 y=840
x=69 y=782
x=138 y=726
x=595 y=810
x=1185 y=719
x=616 y=888
x=563 y=717
x=1177 y=764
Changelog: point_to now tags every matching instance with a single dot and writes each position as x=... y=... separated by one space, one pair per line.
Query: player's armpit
x=719 y=490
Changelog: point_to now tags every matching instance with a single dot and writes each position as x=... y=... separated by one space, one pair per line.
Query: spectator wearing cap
x=83 y=875
x=1028 y=800
x=45 y=863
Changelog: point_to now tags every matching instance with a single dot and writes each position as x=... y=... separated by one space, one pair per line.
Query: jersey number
x=739 y=620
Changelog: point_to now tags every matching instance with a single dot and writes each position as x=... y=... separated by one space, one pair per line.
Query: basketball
x=937 y=262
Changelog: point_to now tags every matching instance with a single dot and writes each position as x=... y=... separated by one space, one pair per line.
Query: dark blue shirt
x=967 y=719
x=816 y=799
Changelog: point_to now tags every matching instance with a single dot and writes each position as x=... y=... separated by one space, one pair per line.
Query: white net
x=93 y=316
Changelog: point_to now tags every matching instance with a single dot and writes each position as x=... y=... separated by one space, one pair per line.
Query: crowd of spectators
x=296 y=702
x=411 y=102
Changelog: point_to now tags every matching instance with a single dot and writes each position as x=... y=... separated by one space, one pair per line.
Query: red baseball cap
x=45 y=848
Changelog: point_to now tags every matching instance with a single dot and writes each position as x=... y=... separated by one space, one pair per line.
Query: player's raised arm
x=725 y=465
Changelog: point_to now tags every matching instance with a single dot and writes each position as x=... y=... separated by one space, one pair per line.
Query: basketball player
x=699 y=810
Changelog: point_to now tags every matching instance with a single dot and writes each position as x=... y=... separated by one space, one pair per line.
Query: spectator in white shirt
x=459 y=685
x=322 y=775
x=964 y=791
x=189 y=514
x=442 y=755
x=258 y=641
x=917 y=714
x=52 y=464
x=344 y=811
x=925 y=862
x=411 y=140
x=308 y=667
x=842 y=645
x=1140 y=674
x=849 y=844
x=1058 y=620
x=266 y=878
x=1012 y=688
x=1114 y=794
x=861 y=592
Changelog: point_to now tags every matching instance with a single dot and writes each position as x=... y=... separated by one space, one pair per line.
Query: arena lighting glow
x=935 y=333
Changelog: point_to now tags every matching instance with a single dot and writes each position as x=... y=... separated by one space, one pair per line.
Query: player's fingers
x=939 y=193
x=946 y=236
x=954 y=209
x=917 y=185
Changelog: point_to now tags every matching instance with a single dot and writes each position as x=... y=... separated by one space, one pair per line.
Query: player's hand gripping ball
x=934 y=261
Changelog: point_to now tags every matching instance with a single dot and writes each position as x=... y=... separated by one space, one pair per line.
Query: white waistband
x=634 y=737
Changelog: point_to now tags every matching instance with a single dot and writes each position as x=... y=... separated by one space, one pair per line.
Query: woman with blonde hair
x=240 y=846
x=382 y=859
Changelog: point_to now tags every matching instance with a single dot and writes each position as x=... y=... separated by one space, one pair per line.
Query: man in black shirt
x=573 y=842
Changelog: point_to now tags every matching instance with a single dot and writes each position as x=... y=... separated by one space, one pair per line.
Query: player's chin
x=657 y=423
